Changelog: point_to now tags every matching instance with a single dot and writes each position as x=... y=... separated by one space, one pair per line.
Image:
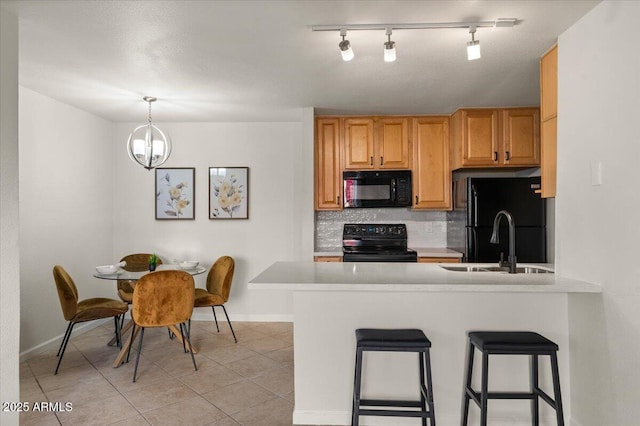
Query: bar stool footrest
x=388 y=403
x=396 y=413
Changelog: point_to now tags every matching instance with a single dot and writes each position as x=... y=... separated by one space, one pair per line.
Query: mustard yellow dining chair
x=163 y=299
x=76 y=311
x=136 y=262
x=219 y=281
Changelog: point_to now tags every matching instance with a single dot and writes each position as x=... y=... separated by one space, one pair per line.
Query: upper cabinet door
x=358 y=143
x=431 y=170
x=392 y=143
x=479 y=137
x=328 y=167
x=549 y=84
x=521 y=136
x=549 y=121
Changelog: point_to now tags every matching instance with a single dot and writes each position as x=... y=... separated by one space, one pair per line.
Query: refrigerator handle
x=474 y=205
x=474 y=244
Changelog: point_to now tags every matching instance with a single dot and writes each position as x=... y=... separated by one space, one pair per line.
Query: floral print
x=229 y=193
x=176 y=202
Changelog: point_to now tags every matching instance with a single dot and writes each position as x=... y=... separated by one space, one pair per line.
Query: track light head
x=473 y=47
x=345 y=47
x=389 y=48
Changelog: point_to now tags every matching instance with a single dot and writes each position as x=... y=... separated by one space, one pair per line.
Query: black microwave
x=384 y=188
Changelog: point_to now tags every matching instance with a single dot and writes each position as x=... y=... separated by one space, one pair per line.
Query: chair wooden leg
x=232 y=332
x=135 y=370
x=63 y=345
x=215 y=318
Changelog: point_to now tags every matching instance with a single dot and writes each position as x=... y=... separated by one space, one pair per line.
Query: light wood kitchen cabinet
x=327 y=258
x=373 y=143
x=439 y=259
x=328 y=165
x=392 y=141
x=549 y=84
x=549 y=121
x=506 y=137
x=521 y=137
x=431 y=170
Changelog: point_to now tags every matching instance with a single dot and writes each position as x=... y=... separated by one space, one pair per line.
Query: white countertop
x=423 y=277
x=422 y=252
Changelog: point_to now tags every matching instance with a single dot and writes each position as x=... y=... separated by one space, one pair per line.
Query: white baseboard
x=302 y=417
x=206 y=315
x=54 y=342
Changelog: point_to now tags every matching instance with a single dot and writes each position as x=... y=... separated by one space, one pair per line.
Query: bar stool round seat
x=512 y=343
x=394 y=340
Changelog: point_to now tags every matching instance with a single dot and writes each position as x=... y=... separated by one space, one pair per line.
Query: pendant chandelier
x=148 y=145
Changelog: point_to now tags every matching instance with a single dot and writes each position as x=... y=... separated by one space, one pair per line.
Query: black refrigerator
x=483 y=198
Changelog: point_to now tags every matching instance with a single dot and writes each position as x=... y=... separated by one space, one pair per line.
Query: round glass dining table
x=133 y=276
x=123 y=274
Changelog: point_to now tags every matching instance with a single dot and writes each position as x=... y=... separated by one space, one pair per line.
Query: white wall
x=280 y=210
x=598 y=227
x=66 y=209
x=9 y=259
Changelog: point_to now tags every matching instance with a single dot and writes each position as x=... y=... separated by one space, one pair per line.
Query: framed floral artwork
x=228 y=193
x=175 y=189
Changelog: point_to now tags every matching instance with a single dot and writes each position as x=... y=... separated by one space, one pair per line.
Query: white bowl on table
x=107 y=269
x=188 y=264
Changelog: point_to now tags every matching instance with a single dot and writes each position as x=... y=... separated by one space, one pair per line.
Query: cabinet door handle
x=507 y=156
x=338 y=200
x=371 y=160
x=416 y=199
x=495 y=155
x=381 y=161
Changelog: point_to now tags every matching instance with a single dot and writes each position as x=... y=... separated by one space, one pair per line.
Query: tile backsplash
x=424 y=228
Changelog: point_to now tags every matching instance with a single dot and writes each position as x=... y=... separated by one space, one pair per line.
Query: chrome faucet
x=511 y=260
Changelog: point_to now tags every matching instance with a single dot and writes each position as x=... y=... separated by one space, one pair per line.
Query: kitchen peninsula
x=331 y=300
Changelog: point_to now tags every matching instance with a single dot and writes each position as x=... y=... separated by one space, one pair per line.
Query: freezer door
x=487 y=196
x=530 y=245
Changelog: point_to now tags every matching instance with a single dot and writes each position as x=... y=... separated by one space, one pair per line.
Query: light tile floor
x=248 y=383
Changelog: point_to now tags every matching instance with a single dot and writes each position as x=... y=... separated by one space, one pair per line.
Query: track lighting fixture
x=389 y=48
x=345 y=47
x=473 y=47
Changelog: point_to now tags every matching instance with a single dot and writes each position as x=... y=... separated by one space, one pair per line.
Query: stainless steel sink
x=519 y=269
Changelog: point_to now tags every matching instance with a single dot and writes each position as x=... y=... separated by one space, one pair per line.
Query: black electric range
x=376 y=243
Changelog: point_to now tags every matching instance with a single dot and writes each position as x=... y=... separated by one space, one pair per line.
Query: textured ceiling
x=260 y=61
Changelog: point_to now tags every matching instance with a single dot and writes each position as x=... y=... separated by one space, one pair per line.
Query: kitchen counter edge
x=407 y=277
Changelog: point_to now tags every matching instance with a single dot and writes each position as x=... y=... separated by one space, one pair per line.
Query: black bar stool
x=404 y=340
x=512 y=343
